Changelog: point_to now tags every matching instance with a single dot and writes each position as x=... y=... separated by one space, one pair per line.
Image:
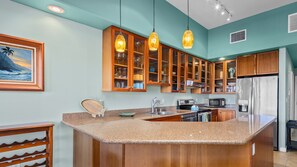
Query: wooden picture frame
x=21 y=64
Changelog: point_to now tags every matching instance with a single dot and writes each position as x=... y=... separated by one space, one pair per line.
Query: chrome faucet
x=155 y=101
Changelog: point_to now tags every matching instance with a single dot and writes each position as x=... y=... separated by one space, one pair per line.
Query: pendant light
x=153 y=41
x=188 y=37
x=120 y=42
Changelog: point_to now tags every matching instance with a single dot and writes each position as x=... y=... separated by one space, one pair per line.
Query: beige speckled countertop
x=115 y=129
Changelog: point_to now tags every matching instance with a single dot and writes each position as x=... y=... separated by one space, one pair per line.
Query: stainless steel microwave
x=219 y=102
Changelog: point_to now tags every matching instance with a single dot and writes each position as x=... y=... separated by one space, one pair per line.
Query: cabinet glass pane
x=138 y=67
x=121 y=69
x=208 y=80
x=153 y=67
x=231 y=77
x=219 y=77
x=165 y=65
x=196 y=70
x=190 y=68
x=174 y=71
x=203 y=76
x=182 y=71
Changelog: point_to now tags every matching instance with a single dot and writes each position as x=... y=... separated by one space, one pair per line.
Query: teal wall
x=73 y=72
x=264 y=31
x=136 y=17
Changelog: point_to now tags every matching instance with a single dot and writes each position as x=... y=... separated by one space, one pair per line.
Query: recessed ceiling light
x=222 y=58
x=55 y=9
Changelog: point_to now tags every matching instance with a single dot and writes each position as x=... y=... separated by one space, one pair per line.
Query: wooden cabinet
x=206 y=78
x=165 y=64
x=182 y=72
x=219 y=77
x=258 y=64
x=154 y=67
x=124 y=71
x=230 y=76
x=190 y=68
x=175 y=118
x=267 y=63
x=225 y=115
x=214 y=115
x=246 y=65
x=177 y=73
x=197 y=70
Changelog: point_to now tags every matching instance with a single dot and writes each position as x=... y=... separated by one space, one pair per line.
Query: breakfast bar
x=127 y=142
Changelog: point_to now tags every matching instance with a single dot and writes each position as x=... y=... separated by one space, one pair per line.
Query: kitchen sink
x=163 y=112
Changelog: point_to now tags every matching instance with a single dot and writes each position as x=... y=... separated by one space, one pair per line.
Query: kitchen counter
x=115 y=129
x=114 y=141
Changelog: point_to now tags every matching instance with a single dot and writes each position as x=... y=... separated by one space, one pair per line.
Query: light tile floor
x=288 y=159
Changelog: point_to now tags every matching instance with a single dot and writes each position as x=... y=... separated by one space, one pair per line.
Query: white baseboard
x=283 y=149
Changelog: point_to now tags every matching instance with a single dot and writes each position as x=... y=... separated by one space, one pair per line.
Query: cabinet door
x=225 y=115
x=203 y=76
x=214 y=115
x=182 y=73
x=165 y=64
x=174 y=82
x=138 y=64
x=121 y=66
x=190 y=67
x=267 y=63
x=219 y=77
x=230 y=76
x=246 y=65
x=197 y=70
x=209 y=77
x=154 y=68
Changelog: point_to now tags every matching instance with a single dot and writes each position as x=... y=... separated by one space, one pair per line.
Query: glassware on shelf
x=124 y=72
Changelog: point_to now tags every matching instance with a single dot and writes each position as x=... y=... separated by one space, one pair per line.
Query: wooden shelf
x=154 y=73
x=151 y=58
x=121 y=65
x=138 y=68
x=120 y=78
x=139 y=53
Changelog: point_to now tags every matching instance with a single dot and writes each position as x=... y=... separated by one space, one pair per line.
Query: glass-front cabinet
x=174 y=73
x=190 y=68
x=197 y=70
x=123 y=71
x=165 y=65
x=153 y=67
x=138 y=71
x=231 y=76
x=182 y=72
x=219 y=77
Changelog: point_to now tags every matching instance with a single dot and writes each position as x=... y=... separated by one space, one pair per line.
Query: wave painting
x=15 y=64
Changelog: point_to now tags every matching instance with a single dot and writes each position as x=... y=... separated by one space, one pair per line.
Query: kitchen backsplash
x=128 y=100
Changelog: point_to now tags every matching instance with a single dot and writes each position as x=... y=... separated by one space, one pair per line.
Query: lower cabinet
x=214 y=115
x=225 y=115
x=175 y=118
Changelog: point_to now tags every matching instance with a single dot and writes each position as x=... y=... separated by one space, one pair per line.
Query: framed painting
x=21 y=64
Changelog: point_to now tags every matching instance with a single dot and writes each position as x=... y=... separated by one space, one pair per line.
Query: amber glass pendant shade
x=188 y=39
x=153 y=41
x=120 y=43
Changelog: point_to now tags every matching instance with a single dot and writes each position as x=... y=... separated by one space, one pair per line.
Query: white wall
x=73 y=64
x=285 y=67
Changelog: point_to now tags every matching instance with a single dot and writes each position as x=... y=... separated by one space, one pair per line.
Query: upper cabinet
x=165 y=65
x=182 y=72
x=224 y=77
x=123 y=71
x=267 y=63
x=154 y=67
x=246 y=65
x=258 y=64
x=206 y=77
x=197 y=69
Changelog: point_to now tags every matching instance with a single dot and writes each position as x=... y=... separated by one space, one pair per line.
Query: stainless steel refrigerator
x=258 y=95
